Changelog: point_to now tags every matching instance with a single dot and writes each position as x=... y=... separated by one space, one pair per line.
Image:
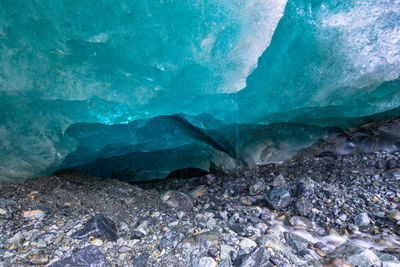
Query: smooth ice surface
x=136 y=89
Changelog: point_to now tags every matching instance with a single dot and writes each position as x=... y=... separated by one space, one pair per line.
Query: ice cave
x=144 y=90
x=153 y=86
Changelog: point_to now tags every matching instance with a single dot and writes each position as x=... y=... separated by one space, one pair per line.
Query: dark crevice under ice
x=138 y=89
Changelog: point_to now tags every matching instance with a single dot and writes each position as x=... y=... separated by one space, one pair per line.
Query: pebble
x=96 y=242
x=208 y=179
x=298 y=221
x=33 y=214
x=39 y=259
x=361 y=219
x=199 y=191
x=394 y=215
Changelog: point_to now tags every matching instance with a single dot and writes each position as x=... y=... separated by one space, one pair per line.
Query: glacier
x=136 y=89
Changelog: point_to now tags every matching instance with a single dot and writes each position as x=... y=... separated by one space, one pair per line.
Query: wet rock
x=176 y=199
x=309 y=255
x=98 y=226
x=278 y=198
x=257 y=258
x=298 y=221
x=303 y=206
x=276 y=231
x=357 y=256
x=361 y=219
x=388 y=260
x=295 y=241
x=277 y=245
x=257 y=188
x=89 y=256
x=322 y=247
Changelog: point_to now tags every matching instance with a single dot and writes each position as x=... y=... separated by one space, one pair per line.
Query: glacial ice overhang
x=135 y=89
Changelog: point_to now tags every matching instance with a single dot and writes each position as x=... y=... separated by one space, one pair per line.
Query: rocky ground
x=308 y=211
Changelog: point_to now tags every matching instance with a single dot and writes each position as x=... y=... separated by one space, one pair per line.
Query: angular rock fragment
x=278 y=198
x=303 y=206
x=257 y=188
x=141 y=260
x=259 y=257
x=89 y=256
x=98 y=226
x=169 y=240
x=176 y=199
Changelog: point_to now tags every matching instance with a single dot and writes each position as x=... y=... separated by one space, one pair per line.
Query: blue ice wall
x=141 y=88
